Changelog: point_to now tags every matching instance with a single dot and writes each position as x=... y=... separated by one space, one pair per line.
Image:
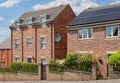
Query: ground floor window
x=17 y=59
x=43 y=61
x=3 y=64
x=29 y=60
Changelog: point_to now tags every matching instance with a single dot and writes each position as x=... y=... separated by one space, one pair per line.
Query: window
x=112 y=31
x=29 y=60
x=17 y=59
x=3 y=64
x=43 y=61
x=43 y=20
x=17 y=23
x=57 y=37
x=17 y=43
x=29 y=41
x=29 y=21
x=43 y=43
x=85 y=33
x=3 y=56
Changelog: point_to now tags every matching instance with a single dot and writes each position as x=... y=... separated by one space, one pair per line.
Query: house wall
x=36 y=32
x=7 y=59
x=99 y=46
x=60 y=26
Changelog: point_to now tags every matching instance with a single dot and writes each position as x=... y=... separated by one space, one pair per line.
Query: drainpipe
x=35 y=43
x=11 y=44
x=22 y=44
x=52 y=41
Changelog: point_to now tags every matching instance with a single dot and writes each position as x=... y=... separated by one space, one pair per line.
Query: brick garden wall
x=111 y=73
x=72 y=75
x=19 y=77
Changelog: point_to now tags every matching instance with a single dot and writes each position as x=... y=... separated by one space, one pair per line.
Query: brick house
x=96 y=31
x=41 y=35
x=5 y=53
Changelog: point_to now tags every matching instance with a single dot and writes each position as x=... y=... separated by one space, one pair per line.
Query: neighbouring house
x=96 y=31
x=40 y=36
x=5 y=53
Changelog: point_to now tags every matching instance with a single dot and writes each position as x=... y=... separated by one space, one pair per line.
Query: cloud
x=11 y=3
x=4 y=33
x=116 y=2
x=12 y=21
x=1 y=18
x=77 y=5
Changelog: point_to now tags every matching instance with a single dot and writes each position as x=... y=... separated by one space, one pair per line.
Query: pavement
x=96 y=81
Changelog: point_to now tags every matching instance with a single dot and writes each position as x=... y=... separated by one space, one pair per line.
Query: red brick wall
x=99 y=45
x=7 y=59
x=60 y=26
x=60 y=48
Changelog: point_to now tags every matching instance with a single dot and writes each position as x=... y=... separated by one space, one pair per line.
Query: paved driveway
x=98 y=81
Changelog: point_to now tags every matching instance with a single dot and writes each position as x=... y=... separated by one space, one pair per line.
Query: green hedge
x=23 y=67
x=4 y=69
x=75 y=61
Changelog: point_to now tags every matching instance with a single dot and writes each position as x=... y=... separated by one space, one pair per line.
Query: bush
x=115 y=59
x=29 y=67
x=15 y=67
x=23 y=67
x=55 y=66
x=4 y=69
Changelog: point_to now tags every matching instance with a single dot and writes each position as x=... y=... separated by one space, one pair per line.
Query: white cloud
x=1 y=18
x=12 y=21
x=77 y=5
x=4 y=33
x=116 y=2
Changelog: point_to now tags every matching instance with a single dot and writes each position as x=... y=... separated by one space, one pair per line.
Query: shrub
x=4 y=69
x=115 y=59
x=29 y=67
x=15 y=67
x=23 y=67
x=79 y=62
x=55 y=66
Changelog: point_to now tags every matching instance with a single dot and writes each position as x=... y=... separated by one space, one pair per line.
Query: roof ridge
x=102 y=7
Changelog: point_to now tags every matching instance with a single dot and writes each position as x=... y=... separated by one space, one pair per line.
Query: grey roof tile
x=6 y=44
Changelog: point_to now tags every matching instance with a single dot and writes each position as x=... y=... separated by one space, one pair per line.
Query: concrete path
x=96 y=81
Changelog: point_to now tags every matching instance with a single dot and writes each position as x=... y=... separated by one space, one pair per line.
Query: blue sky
x=12 y=9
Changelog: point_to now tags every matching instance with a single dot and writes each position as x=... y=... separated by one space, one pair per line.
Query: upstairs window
x=43 y=43
x=17 y=43
x=43 y=20
x=29 y=21
x=85 y=33
x=17 y=23
x=3 y=54
x=112 y=31
x=29 y=41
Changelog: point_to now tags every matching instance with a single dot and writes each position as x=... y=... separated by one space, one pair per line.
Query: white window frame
x=3 y=54
x=43 y=20
x=43 y=42
x=29 y=21
x=29 y=58
x=29 y=42
x=17 y=60
x=112 y=26
x=3 y=65
x=17 y=43
x=83 y=34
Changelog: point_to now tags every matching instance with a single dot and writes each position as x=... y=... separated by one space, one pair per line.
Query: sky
x=13 y=9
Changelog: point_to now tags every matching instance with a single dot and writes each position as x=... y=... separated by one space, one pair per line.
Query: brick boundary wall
x=72 y=75
x=111 y=73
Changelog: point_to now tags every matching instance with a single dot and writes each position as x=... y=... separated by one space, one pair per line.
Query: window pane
x=115 y=30
x=17 y=41
x=108 y=31
x=29 y=41
x=29 y=60
x=90 y=33
x=80 y=34
x=3 y=54
x=43 y=45
x=85 y=33
x=43 y=40
x=17 y=59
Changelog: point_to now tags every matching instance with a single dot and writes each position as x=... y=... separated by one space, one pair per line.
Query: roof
x=6 y=44
x=51 y=13
x=97 y=15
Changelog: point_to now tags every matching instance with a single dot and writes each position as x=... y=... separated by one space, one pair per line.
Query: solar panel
x=96 y=16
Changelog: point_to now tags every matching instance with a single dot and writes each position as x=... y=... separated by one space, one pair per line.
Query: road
x=96 y=81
